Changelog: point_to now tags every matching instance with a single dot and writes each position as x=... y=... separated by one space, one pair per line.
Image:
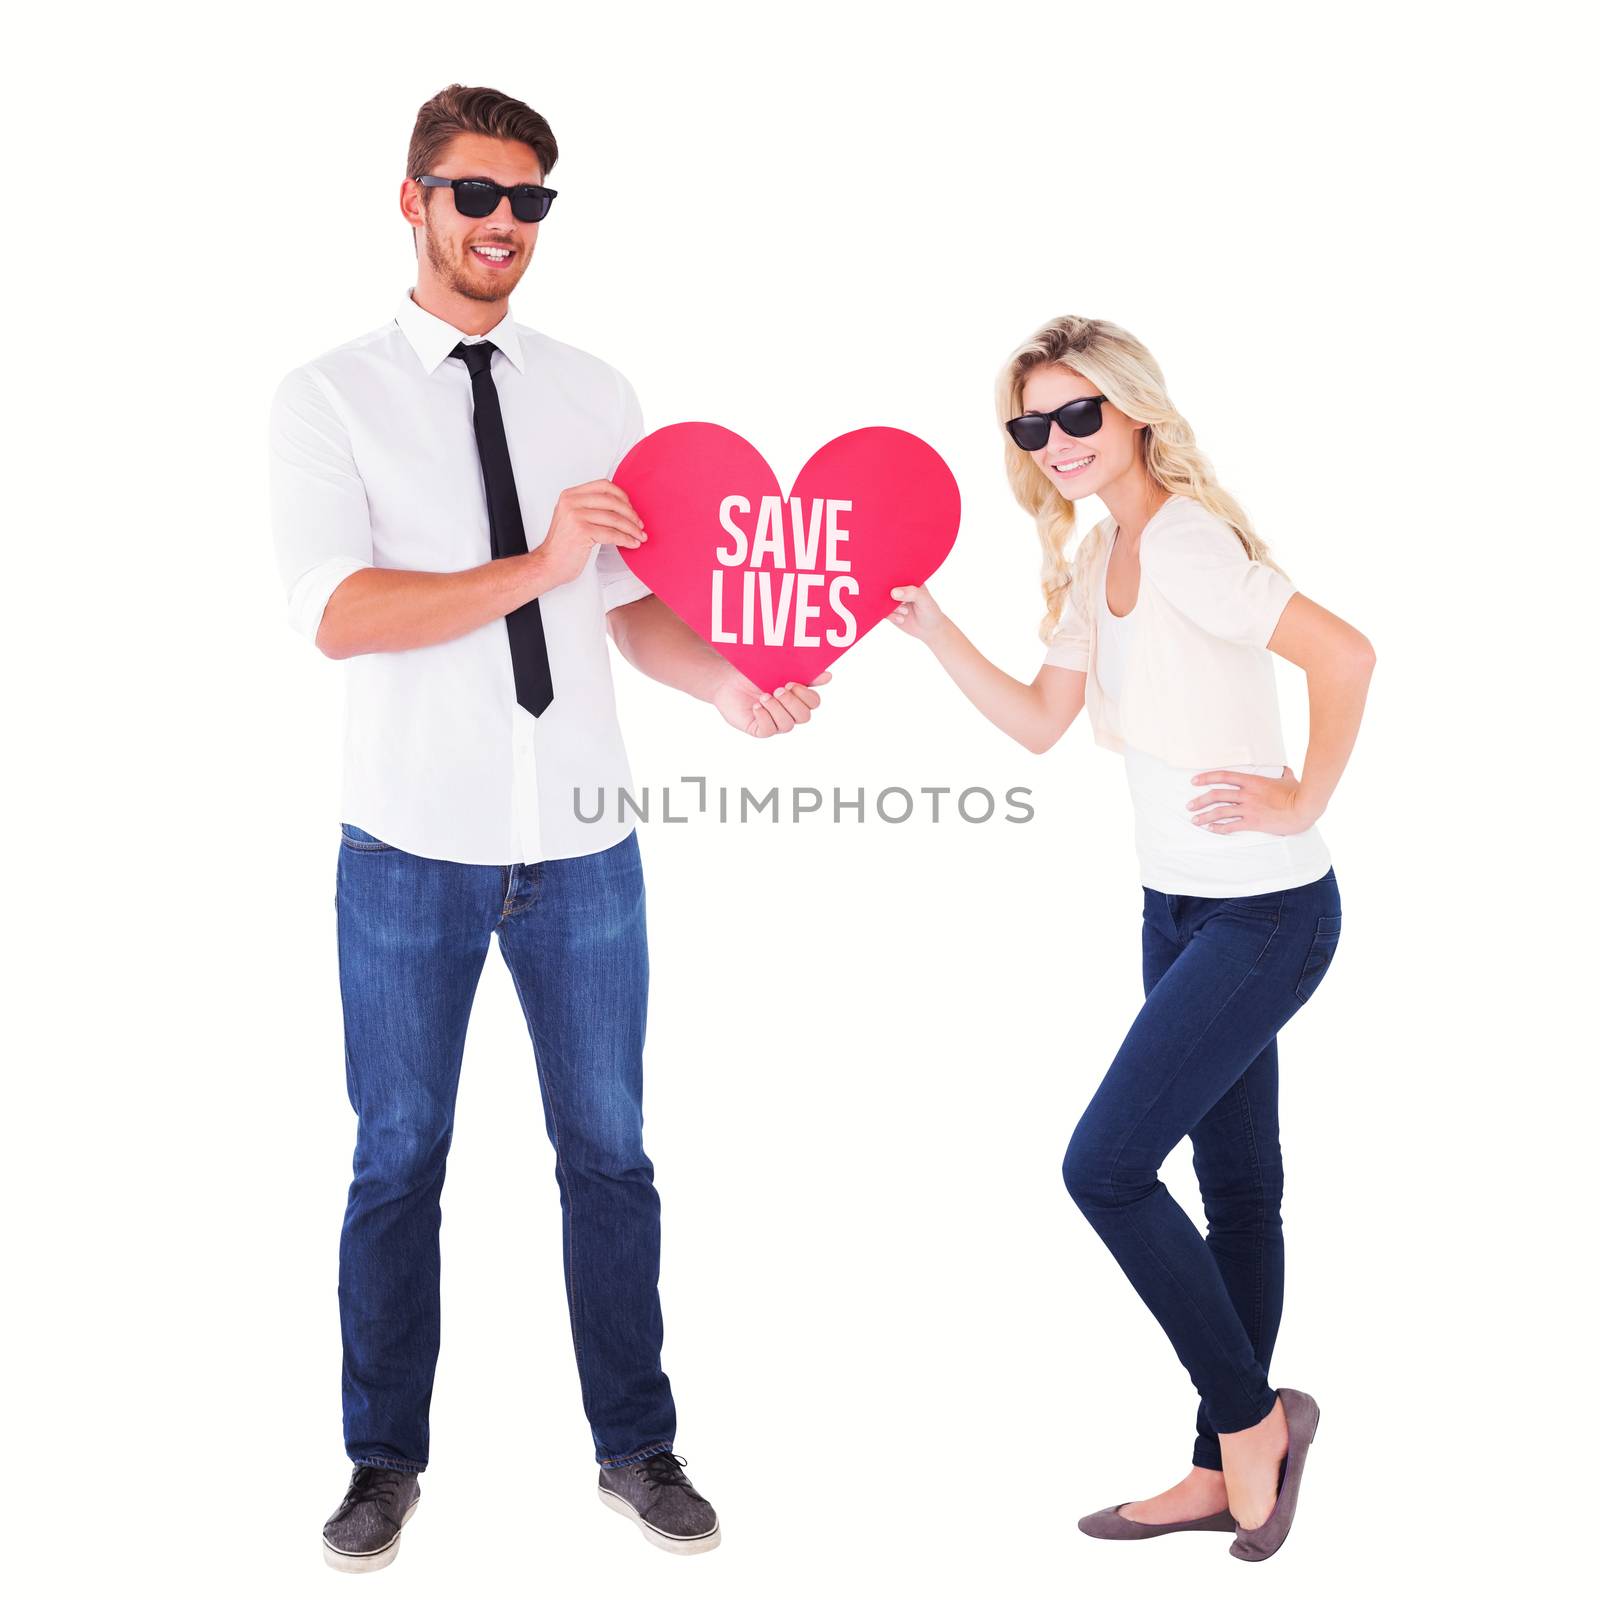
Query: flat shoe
x=1111 y=1524
x=1302 y=1414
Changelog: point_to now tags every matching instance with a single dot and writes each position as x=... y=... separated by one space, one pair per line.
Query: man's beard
x=458 y=274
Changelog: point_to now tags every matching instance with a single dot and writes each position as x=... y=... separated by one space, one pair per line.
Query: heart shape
x=783 y=586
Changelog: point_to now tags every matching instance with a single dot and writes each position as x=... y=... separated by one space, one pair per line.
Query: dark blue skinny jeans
x=1221 y=977
x=413 y=936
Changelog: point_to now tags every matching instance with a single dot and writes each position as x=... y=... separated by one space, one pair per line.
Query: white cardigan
x=1199 y=689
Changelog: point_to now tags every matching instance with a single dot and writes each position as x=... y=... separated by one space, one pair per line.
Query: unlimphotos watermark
x=892 y=804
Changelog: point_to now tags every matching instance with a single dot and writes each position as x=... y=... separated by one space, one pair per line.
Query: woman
x=1161 y=624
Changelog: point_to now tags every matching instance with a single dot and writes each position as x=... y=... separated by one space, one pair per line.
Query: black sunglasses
x=1080 y=418
x=478 y=197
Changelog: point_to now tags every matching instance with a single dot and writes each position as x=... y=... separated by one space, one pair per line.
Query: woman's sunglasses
x=478 y=197
x=1080 y=418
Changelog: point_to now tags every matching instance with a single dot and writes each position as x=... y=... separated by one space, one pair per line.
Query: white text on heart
x=788 y=601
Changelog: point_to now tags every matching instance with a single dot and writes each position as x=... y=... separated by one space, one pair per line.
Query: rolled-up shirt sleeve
x=1068 y=644
x=1200 y=567
x=618 y=582
x=321 y=528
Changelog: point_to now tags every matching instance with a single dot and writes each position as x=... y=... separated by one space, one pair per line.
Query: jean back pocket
x=1323 y=944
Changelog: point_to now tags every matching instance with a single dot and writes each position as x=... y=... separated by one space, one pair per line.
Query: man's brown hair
x=459 y=109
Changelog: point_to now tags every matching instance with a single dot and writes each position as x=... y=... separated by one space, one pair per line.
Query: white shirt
x=1176 y=857
x=374 y=463
x=1198 y=687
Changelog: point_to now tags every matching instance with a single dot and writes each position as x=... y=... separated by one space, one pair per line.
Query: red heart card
x=783 y=586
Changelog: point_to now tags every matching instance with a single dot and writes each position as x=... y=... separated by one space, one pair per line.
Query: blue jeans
x=1221 y=977
x=413 y=934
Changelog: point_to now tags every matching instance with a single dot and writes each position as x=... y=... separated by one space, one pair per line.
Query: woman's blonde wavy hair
x=1127 y=375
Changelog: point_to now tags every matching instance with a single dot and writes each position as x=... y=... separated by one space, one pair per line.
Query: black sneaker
x=655 y=1494
x=364 y=1533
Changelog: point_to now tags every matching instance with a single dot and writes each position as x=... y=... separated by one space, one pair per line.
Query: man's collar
x=433 y=338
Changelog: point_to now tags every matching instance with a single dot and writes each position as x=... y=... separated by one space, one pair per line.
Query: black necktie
x=530 y=662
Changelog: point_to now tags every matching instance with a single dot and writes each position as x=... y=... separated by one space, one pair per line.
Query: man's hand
x=586 y=515
x=745 y=707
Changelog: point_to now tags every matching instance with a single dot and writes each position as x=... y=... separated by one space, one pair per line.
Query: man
x=409 y=469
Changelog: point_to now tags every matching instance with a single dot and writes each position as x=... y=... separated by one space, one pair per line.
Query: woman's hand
x=918 y=612
x=1250 y=804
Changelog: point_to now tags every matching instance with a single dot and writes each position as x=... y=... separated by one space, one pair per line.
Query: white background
x=903 y=1361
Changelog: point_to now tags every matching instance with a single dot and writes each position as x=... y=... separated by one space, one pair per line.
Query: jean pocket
x=1266 y=907
x=1323 y=944
x=359 y=839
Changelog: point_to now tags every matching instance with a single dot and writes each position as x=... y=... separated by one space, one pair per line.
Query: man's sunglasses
x=1080 y=418
x=478 y=197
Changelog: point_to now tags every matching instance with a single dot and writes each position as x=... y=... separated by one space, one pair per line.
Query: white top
x=374 y=463
x=1198 y=685
x=1175 y=856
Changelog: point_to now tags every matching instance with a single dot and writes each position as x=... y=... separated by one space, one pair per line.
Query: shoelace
x=665 y=1471
x=374 y=1485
